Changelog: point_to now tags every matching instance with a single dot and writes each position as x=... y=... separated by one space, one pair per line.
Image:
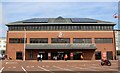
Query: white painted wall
x=2 y=44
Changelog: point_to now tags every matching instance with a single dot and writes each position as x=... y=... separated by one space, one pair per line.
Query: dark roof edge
x=55 y=23
x=116 y=29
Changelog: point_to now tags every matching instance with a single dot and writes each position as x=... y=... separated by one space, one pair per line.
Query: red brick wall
x=12 y=48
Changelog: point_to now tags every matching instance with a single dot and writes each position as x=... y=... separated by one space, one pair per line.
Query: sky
x=15 y=10
x=59 y=0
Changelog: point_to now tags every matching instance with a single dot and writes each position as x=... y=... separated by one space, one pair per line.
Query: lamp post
x=24 y=43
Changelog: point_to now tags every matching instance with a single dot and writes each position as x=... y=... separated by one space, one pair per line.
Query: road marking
x=27 y=66
x=1 y=70
x=11 y=63
x=43 y=68
x=47 y=66
x=9 y=67
x=104 y=68
x=32 y=66
x=113 y=69
x=24 y=69
x=6 y=63
x=62 y=68
x=85 y=68
x=14 y=67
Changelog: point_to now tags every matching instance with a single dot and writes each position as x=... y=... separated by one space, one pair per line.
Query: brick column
x=93 y=41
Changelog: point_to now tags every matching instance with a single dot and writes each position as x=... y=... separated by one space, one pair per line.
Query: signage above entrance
x=60 y=35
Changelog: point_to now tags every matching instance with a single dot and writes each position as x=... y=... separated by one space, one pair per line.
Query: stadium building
x=55 y=37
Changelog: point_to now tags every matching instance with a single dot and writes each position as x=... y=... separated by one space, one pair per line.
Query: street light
x=24 y=43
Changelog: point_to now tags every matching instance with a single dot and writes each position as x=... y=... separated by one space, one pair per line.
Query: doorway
x=45 y=55
x=77 y=55
x=19 y=56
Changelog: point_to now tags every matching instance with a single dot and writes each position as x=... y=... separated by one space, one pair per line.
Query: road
x=57 y=67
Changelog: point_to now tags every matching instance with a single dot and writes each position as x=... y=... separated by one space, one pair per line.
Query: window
x=4 y=46
x=19 y=55
x=4 y=41
x=39 y=28
x=16 y=40
x=60 y=40
x=38 y=40
x=97 y=55
x=60 y=27
x=118 y=52
x=109 y=55
x=111 y=27
x=82 y=40
x=68 y=27
x=3 y=52
x=100 y=27
x=103 y=40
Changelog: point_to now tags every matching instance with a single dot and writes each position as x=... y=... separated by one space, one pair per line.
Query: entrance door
x=19 y=55
x=98 y=55
x=45 y=55
x=77 y=55
x=54 y=55
x=109 y=55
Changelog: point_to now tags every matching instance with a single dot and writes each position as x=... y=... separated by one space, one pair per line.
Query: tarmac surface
x=51 y=66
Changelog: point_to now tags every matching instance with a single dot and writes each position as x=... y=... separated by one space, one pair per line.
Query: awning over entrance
x=60 y=46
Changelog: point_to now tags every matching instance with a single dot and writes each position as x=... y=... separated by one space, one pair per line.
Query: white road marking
x=1 y=69
x=43 y=68
x=6 y=63
x=27 y=66
x=32 y=66
x=113 y=69
x=47 y=66
x=14 y=67
x=91 y=69
x=9 y=67
x=62 y=68
x=11 y=63
x=24 y=69
x=104 y=68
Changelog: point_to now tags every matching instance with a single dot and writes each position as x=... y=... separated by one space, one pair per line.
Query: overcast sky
x=12 y=10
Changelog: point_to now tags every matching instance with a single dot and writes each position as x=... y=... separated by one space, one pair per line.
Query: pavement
x=52 y=66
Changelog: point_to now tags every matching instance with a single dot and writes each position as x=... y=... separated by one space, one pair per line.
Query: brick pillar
x=93 y=41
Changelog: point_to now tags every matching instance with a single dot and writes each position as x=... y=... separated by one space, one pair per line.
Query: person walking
x=81 y=57
x=62 y=57
x=38 y=57
x=65 y=57
x=41 y=56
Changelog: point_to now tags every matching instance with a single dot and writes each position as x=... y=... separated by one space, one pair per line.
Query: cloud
x=15 y=11
x=25 y=10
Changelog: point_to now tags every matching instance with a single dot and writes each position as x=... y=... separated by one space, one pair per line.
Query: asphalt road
x=57 y=67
